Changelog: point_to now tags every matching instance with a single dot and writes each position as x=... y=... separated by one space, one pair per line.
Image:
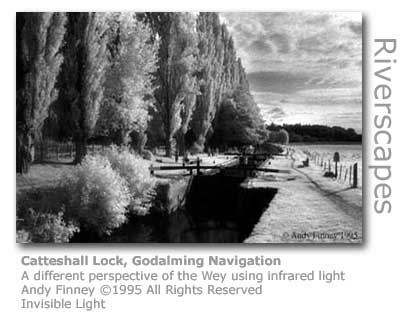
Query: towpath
x=307 y=208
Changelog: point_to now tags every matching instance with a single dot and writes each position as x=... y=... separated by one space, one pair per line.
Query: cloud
x=355 y=27
x=318 y=19
x=312 y=44
x=301 y=62
x=299 y=38
x=281 y=41
x=279 y=82
x=291 y=82
x=260 y=47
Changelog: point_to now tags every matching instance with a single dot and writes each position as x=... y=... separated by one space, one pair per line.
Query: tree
x=82 y=76
x=39 y=40
x=220 y=74
x=313 y=133
x=283 y=137
x=211 y=52
x=186 y=114
x=239 y=121
x=175 y=77
x=128 y=85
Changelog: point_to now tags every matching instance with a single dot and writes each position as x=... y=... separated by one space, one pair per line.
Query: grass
x=308 y=203
x=42 y=175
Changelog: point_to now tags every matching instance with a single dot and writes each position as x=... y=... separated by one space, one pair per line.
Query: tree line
x=317 y=133
x=141 y=79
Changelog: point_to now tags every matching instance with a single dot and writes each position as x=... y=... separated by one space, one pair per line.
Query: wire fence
x=50 y=150
x=343 y=172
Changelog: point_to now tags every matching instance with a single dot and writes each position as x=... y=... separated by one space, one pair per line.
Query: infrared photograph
x=189 y=127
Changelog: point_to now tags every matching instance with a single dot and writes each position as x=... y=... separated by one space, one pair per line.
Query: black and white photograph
x=189 y=127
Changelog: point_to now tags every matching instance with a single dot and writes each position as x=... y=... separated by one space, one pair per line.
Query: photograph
x=189 y=127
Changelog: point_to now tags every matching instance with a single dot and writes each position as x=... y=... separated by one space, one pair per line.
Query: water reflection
x=219 y=209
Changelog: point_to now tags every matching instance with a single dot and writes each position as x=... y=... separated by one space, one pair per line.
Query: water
x=219 y=209
x=349 y=154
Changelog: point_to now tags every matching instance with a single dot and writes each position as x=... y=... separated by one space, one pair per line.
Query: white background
x=377 y=272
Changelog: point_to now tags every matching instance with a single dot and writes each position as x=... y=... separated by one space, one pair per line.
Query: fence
x=50 y=150
x=343 y=172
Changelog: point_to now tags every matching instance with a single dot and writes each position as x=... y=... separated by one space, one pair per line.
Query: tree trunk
x=24 y=152
x=80 y=150
x=138 y=141
x=181 y=144
x=168 y=148
x=41 y=156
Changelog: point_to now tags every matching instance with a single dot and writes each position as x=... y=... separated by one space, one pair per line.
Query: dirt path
x=308 y=208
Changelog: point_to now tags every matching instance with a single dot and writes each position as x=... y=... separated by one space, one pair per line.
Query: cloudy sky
x=302 y=67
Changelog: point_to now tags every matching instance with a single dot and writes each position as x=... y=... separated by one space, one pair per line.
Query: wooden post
x=355 y=184
x=329 y=165
x=340 y=171
x=346 y=173
x=198 y=165
x=350 y=174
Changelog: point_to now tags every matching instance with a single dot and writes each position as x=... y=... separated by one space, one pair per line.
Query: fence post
x=346 y=173
x=329 y=165
x=340 y=172
x=355 y=175
x=42 y=157
x=198 y=165
x=350 y=174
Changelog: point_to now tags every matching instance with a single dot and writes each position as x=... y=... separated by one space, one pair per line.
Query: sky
x=303 y=67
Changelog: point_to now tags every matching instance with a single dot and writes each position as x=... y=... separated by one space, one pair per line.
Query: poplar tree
x=85 y=61
x=175 y=77
x=39 y=40
x=128 y=85
x=210 y=71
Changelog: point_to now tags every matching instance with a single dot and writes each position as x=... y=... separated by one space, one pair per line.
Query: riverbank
x=307 y=208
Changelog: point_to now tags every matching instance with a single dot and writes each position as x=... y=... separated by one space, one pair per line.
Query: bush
x=40 y=227
x=42 y=199
x=135 y=171
x=98 y=196
x=40 y=214
x=147 y=155
x=271 y=148
x=196 y=148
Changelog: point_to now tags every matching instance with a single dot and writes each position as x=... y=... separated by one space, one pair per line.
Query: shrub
x=40 y=227
x=40 y=214
x=272 y=148
x=42 y=199
x=196 y=148
x=98 y=196
x=146 y=154
x=135 y=171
